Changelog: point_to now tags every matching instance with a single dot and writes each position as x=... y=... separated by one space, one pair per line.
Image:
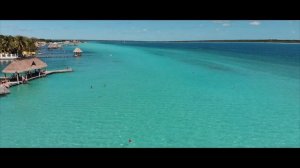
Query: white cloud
x=255 y=23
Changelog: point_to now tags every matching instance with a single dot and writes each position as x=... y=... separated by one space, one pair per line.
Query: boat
x=54 y=45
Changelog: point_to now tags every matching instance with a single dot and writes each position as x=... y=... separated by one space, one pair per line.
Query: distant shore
x=192 y=41
x=262 y=41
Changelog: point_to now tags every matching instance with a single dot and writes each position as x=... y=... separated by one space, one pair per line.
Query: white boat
x=54 y=45
x=6 y=56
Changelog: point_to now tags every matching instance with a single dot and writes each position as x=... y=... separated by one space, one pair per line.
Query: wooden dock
x=54 y=56
x=14 y=83
x=42 y=75
x=3 y=78
x=59 y=71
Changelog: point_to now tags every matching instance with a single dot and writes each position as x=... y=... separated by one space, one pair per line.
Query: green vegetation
x=17 y=44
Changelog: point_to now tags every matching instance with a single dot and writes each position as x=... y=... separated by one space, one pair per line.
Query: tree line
x=17 y=44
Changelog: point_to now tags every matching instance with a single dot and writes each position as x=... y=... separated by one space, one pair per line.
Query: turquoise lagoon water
x=160 y=95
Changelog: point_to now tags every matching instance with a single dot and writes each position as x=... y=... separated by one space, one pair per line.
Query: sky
x=153 y=30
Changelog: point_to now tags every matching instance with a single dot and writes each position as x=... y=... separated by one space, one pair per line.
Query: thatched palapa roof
x=24 y=65
x=77 y=50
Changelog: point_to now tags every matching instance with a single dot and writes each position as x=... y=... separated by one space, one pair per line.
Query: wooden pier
x=3 y=78
x=59 y=71
x=54 y=56
x=40 y=76
x=28 y=67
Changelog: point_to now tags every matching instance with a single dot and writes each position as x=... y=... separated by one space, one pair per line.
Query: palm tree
x=20 y=42
x=30 y=45
x=6 y=44
x=1 y=41
x=17 y=44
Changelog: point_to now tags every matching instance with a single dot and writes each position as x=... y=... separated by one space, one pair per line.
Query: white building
x=7 y=56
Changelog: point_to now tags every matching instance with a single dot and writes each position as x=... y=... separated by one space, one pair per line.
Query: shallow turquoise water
x=157 y=97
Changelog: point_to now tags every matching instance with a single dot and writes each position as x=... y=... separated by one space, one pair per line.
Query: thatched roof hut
x=24 y=65
x=77 y=50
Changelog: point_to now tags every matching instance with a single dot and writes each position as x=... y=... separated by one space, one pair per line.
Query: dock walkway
x=42 y=75
x=54 y=56
x=59 y=71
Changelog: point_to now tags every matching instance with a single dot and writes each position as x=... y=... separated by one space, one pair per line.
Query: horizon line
x=181 y=40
